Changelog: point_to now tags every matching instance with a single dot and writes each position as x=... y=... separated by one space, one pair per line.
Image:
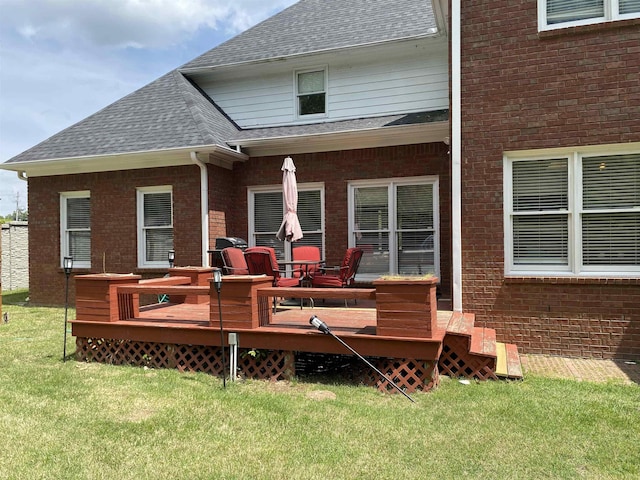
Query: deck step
x=508 y=362
x=461 y=323
x=483 y=342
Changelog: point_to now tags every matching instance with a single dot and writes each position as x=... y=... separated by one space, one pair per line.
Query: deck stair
x=472 y=352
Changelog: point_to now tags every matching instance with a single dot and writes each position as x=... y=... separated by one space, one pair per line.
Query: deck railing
x=403 y=308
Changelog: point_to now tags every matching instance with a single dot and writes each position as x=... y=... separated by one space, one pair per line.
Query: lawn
x=88 y=421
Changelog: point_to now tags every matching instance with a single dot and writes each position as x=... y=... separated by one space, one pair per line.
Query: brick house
x=531 y=96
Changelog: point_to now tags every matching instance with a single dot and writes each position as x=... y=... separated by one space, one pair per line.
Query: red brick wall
x=524 y=90
x=113 y=224
x=113 y=207
x=335 y=170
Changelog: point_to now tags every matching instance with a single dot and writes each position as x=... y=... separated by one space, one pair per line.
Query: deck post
x=241 y=306
x=97 y=299
x=200 y=276
x=406 y=307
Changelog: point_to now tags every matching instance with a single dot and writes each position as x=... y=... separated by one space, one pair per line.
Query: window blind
x=560 y=11
x=158 y=226
x=540 y=240
x=611 y=220
x=611 y=182
x=78 y=211
x=540 y=191
x=629 y=6
x=310 y=217
x=415 y=229
x=540 y=185
x=611 y=239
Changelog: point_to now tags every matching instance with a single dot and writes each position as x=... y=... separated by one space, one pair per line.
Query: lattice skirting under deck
x=456 y=361
x=268 y=365
x=409 y=374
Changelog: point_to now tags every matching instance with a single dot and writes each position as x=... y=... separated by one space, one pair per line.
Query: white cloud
x=63 y=60
x=130 y=23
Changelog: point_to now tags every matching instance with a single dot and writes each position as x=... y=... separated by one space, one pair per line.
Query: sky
x=63 y=60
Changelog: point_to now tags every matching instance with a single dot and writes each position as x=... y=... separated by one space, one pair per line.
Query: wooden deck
x=289 y=329
x=402 y=330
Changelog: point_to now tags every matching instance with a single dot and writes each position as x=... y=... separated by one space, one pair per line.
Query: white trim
x=64 y=239
x=170 y=157
x=611 y=13
x=456 y=158
x=575 y=213
x=391 y=184
x=140 y=192
x=204 y=208
x=277 y=188
x=296 y=100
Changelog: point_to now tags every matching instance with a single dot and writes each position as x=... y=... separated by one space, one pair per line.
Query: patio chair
x=307 y=253
x=340 y=276
x=234 y=261
x=263 y=261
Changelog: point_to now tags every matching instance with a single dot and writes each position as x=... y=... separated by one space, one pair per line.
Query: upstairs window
x=566 y=13
x=155 y=226
x=311 y=92
x=75 y=228
x=574 y=214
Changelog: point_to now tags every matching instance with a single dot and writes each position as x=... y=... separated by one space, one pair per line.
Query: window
x=311 y=92
x=266 y=210
x=75 y=228
x=573 y=214
x=396 y=223
x=155 y=226
x=563 y=13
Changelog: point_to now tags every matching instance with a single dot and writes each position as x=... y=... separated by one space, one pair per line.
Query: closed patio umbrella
x=290 y=229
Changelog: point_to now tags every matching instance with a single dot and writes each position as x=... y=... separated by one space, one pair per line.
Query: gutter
x=204 y=207
x=456 y=157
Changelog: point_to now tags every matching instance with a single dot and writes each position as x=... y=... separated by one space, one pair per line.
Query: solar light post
x=171 y=256
x=217 y=281
x=67 y=265
x=324 y=328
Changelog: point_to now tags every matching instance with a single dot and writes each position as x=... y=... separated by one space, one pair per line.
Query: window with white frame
x=266 y=211
x=395 y=222
x=75 y=228
x=565 y=13
x=155 y=226
x=311 y=92
x=573 y=214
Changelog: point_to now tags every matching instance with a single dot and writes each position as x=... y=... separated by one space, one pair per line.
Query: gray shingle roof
x=167 y=113
x=342 y=126
x=316 y=25
x=171 y=112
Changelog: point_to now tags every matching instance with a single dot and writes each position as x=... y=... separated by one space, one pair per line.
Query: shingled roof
x=173 y=113
x=169 y=112
x=319 y=25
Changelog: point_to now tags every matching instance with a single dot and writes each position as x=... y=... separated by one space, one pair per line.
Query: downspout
x=22 y=175
x=204 y=207
x=456 y=156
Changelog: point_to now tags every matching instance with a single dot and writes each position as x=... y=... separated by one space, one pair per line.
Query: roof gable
x=319 y=25
x=167 y=113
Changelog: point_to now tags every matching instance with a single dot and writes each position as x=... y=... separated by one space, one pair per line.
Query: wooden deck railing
x=404 y=308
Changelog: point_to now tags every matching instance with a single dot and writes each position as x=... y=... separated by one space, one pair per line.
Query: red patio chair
x=263 y=261
x=234 y=261
x=342 y=276
x=310 y=254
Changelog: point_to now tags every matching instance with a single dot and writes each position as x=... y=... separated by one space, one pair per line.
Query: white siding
x=403 y=78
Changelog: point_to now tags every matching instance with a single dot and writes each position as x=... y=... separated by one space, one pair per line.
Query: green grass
x=90 y=421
